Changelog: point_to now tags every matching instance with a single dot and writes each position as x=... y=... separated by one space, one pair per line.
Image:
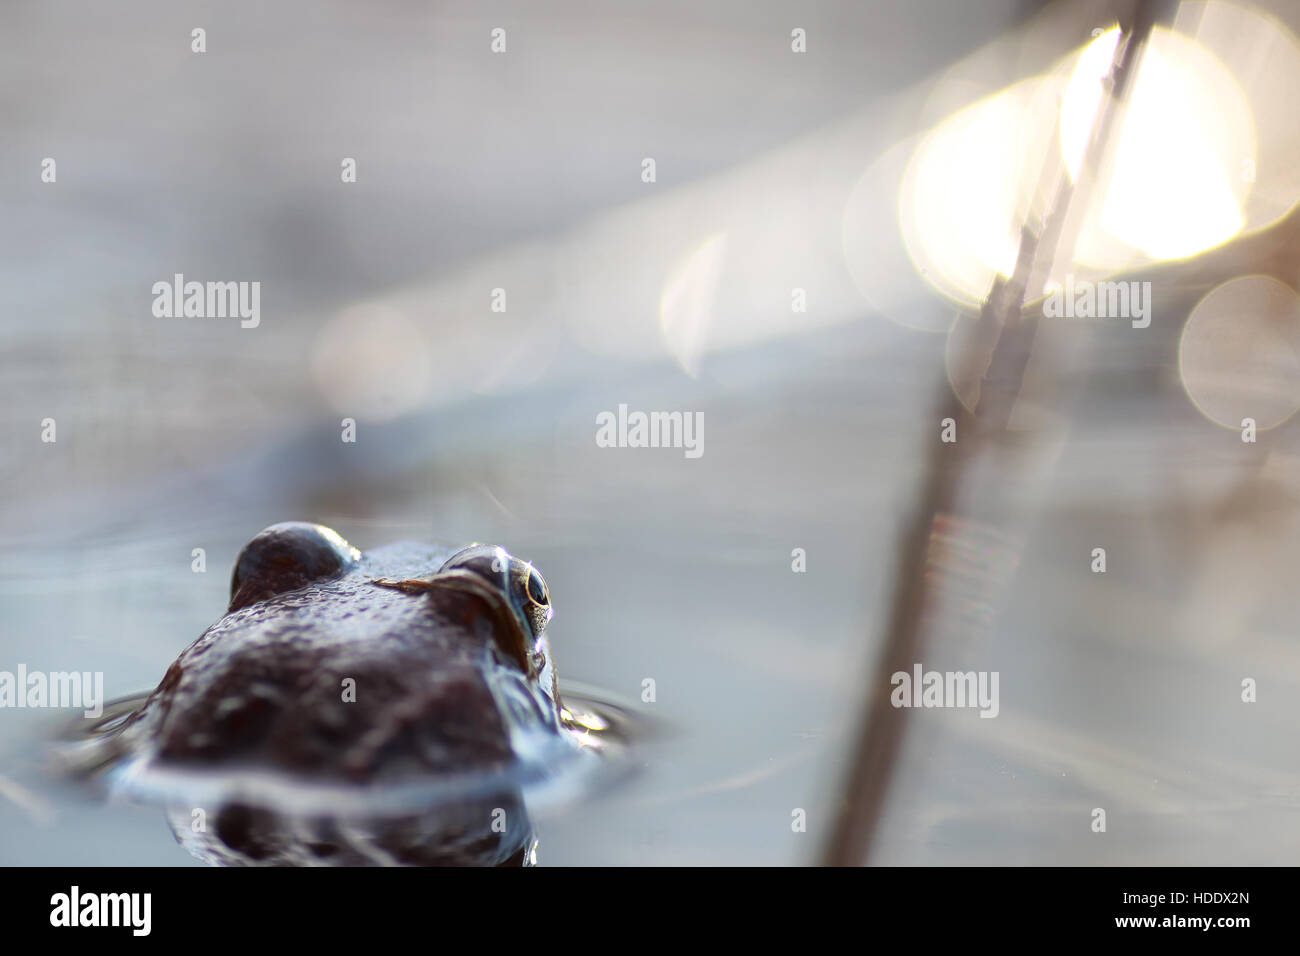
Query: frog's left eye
x=285 y=557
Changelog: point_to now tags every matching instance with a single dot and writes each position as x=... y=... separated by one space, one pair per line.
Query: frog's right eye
x=517 y=580
x=285 y=557
x=489 y=562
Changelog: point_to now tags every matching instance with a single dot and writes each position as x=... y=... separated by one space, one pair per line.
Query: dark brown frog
x=336 y=674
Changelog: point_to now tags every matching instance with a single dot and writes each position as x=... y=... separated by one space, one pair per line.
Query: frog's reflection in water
x=484 y=831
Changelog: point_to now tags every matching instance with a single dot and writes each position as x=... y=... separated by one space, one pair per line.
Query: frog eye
x=487 y=561
x=520 y=581
x=286 y=557
x=536 y=589
x=528 y=592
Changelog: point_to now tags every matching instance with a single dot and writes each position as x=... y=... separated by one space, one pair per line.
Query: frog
x=341 y=672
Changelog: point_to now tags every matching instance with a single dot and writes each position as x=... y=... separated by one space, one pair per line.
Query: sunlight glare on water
x=1175 y=188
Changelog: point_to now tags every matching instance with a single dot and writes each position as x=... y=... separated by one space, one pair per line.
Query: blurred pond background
x=523 y=171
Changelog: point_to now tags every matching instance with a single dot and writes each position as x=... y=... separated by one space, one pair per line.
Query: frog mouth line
x=511 y=638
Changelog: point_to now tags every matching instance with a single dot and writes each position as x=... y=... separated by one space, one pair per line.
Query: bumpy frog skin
x=337 y=668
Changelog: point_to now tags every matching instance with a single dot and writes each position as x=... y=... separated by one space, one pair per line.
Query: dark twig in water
x=1007 y=341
